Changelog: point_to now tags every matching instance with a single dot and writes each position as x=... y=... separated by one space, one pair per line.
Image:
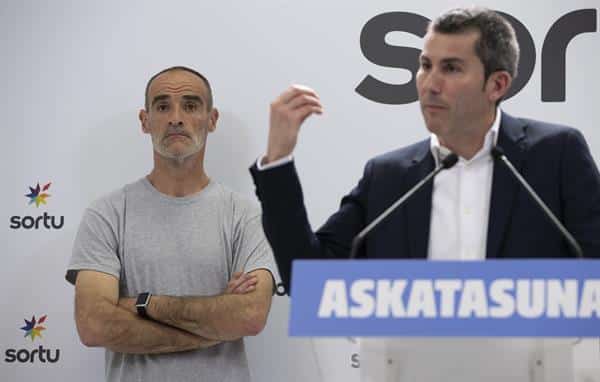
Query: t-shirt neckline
x=178 y=199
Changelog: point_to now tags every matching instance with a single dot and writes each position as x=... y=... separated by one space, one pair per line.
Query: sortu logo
x=33 y=329
x=37 y=195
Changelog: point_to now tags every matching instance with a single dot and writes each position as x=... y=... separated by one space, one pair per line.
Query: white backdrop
x=73 y=76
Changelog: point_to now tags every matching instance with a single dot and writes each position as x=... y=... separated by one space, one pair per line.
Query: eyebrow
x=448 y=60
x=193 y=98
x=162 y=97
x=158 y=98
x=453 y=60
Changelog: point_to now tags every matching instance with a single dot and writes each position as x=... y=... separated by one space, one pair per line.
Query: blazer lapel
x=418 y=210
x=512 y=139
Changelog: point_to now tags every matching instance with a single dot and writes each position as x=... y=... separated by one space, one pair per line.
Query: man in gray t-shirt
x=173 y=270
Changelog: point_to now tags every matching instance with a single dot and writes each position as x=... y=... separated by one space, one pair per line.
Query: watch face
x=142 y=299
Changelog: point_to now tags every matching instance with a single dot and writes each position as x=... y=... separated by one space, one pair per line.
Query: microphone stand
x=448 y=162
x=498 y=154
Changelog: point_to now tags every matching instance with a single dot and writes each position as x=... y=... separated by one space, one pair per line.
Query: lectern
x=493 y=320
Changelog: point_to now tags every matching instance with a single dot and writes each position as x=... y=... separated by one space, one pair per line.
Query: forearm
x=284 y=217
x=224 y=317
x=120 y=330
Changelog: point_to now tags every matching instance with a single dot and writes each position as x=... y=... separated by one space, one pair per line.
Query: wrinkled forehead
x=440 y=46
x=177 y=83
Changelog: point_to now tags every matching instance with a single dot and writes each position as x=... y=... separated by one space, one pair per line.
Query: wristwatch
x=141 y=304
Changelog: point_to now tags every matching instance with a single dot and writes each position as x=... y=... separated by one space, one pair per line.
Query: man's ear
x=143 y=115
x=212 y=119
x=498 y=85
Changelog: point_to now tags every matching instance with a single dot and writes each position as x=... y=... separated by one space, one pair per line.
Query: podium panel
x=419 y=298
x=425 y=321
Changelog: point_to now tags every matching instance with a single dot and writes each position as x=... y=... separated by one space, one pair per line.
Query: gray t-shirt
x=177 y=246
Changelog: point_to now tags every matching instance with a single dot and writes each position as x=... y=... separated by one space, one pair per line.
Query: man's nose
x=175 y=117
x=433 y=82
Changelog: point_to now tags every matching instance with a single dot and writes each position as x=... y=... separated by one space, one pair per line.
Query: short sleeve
x=96 y=246
x=250 y=246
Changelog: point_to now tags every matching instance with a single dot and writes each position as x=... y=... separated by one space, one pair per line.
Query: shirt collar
x=440 y=152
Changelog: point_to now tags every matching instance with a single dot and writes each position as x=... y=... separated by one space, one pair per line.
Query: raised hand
x=288 y=112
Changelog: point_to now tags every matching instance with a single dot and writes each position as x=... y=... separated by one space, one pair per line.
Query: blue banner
x=491 y=298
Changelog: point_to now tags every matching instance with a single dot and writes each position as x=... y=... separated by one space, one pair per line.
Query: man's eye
x=190 y=106
x=162 y=107
x=451 y=69
x=425 y=65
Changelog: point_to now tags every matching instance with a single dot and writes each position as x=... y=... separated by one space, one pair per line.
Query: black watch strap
x=141 y=304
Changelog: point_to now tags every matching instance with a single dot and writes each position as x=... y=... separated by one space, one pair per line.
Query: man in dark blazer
x=466 y=67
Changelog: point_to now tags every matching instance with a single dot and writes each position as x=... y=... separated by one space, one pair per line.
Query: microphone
x=447 y=163
x=498 y=153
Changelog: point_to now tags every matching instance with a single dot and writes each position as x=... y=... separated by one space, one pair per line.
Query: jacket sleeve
x=286 y=225
x=580 y=189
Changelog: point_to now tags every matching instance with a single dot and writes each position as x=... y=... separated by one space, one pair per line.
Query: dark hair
x=186 y=69
x=497 y=47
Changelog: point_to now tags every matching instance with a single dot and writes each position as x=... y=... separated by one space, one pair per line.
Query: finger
x=246 y=286
x=304 y=88
x=248 y=282
x=244 y=290
x=304 y=112
x=233 y=284
x=294 y=91
x=237 y=276
x=303 y=100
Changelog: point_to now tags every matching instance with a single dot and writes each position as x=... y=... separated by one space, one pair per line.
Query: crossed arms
x=178 y=323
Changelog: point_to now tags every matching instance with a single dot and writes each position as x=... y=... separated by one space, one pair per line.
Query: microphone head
x=450 y=161
x=497 y=152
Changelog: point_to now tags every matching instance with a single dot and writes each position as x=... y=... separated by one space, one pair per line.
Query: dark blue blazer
x=554 y=159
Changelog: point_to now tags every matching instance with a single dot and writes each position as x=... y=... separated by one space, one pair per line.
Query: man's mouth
x=174 y=135
x=434 y=106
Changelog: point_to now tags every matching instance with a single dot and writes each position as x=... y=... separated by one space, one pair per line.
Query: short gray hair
x=209 y=101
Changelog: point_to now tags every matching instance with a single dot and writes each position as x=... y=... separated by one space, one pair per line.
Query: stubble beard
x=178 y=158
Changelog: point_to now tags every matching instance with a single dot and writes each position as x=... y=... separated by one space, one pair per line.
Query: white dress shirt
x=460 y=203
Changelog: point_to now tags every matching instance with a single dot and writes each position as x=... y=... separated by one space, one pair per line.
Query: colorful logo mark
x=37 y=195
x=34 y=328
